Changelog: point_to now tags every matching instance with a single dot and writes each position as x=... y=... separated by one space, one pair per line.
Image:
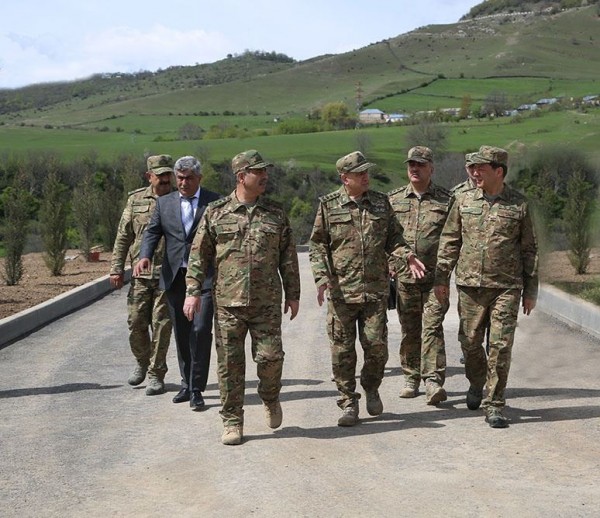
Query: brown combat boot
x=138 y=375
x=374 y=403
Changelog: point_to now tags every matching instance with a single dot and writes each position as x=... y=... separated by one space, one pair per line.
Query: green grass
x=449 y=93
x=317 y=149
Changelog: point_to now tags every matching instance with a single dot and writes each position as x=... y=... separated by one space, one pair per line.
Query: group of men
x=197 y=254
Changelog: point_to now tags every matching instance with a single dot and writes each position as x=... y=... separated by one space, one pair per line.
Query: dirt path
x=76 y=440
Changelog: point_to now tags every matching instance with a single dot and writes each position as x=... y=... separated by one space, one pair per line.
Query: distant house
x=395 y=117
x=371 y=116
x=527 y=107
x=546 y=102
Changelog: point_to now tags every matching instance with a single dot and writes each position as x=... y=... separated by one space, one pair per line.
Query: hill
x=563 y=45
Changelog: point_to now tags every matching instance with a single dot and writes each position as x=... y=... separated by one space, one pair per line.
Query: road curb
x=17 y=326
x=569 y=309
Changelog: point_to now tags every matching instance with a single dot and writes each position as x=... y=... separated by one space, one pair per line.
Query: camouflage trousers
x=148 y=313
x=342 y=322
x=502 y=306
x=232 y=324
x=422 y=346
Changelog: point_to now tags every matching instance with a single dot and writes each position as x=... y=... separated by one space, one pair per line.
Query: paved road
x=76 y=440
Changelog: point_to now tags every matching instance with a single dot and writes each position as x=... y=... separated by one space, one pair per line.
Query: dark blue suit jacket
x=166 y=221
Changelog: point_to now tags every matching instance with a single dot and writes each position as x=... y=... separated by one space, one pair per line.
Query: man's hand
x=528 y=305
x=142 y=267
x=191 y=305
x=442 y=293
x=321 y=293
x=416 y=267
x=116 y=280
x=293 y=306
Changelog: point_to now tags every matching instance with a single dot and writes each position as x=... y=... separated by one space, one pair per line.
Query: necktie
x=187 y=214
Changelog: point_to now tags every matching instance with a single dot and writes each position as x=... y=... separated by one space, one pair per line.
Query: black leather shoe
x=197 y=401
x=181 y=396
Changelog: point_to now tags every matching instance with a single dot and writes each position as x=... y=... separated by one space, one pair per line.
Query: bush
x=53 y=220
x=17 y=204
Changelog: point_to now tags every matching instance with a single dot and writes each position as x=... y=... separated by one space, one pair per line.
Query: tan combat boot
x=349 y=416
x=411 y=388
x=232 y=434
x=273 y=413
x=434 y=392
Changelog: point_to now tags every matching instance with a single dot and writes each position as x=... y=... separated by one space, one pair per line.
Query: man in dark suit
x=176 y=217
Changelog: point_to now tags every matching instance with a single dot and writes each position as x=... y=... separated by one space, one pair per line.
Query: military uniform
x=254 y=252
x=467 y=185
x=349 y=249
x=421 y=315
x=146 y=303
x=493 y=245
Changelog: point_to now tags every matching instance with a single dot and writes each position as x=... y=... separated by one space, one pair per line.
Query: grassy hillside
x=525 y=57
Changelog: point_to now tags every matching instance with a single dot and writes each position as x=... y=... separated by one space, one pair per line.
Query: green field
x=306 y=151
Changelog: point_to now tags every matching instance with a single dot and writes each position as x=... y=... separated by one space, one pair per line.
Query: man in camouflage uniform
x=354 y=231
x=421 y=207
x=490 y=238
x=250 y=240
x=467 y=185
x=146 y=302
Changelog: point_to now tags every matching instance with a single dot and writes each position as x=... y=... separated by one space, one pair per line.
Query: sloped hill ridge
x=543 y=42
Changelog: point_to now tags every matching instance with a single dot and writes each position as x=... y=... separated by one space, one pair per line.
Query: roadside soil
x=37 y=285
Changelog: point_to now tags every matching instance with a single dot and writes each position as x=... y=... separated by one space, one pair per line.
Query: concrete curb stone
x=17 y=326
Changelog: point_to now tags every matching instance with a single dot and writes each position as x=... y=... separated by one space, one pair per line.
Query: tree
x=337 y=116
x=17 y=204
x=53 y=215
x=190 y=131
x=465 y=107
x=85 y=209
x=578 y=212
x=546 y=181
x=430 y=134
x=495 y=104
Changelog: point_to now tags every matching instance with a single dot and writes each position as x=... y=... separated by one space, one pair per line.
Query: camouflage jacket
x=350 y=245
x=134 y=220
x=492 y=245
x=422 y=220
x=253 y=250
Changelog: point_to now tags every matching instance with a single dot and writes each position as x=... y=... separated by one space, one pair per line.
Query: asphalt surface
x=76 y=440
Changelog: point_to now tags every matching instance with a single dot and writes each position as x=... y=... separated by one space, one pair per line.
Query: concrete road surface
x=76 y=440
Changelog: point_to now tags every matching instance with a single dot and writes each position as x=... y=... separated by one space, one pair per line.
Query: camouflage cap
x=469 y=159
x=160 y=164
x=489 y=154
x=354 y=162
x=250 y=159
x=419 y=154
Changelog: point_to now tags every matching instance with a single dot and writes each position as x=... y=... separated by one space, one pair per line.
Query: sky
x=62 y=40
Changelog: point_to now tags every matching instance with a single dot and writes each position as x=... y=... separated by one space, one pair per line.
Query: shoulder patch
x=220 y=202
x=136 y=190
x=330 y=196
x=396 y=191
